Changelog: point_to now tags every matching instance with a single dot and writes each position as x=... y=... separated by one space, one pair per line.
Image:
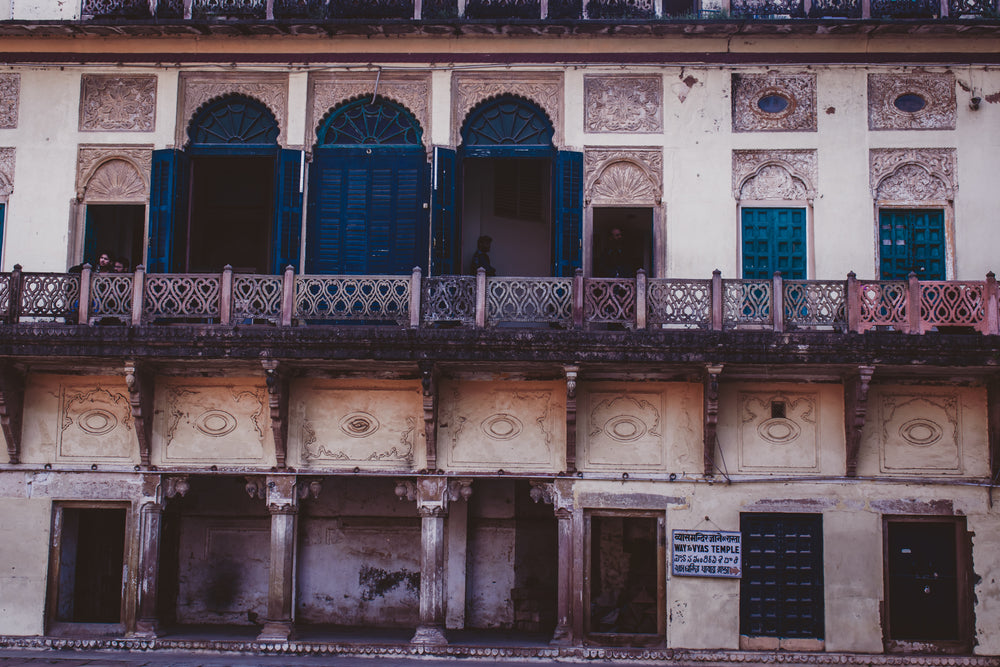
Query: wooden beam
x=571 y=373
x=429 y=384
x=11 y=408
x=993 y=425
x=141 y=388
x=855 y=413
x=711 y=416
x=278 y=384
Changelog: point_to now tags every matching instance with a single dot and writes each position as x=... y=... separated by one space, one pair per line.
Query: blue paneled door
x=367 y=211
x=911 y=240
x=774 y=239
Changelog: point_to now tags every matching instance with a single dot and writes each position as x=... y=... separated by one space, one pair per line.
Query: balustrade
x=228 y=298
x=118 y=9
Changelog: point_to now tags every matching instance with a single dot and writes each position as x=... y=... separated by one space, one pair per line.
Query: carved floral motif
x=774 y=174
x=6 y=171
x=624 y=175
x=121 y=166
x=799 y=90
x=413 y=93
x=117 y=103
x=544 y=89
x=632 y=104
x=936 y=90
x=10 y=94
x=912 y=174
x=270 y=89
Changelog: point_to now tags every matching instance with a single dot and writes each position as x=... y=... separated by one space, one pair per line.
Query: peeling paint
x=376 y=582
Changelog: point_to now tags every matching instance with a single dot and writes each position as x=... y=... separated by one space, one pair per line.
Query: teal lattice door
x=911 y=240
x=774 y=239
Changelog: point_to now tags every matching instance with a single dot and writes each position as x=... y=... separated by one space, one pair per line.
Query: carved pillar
x=429 y=384
x=432 y=505
x=560 y=496
x=160 y=491
x=141 y=387
x=711 y=382
x=855 y=412
x=11 y=409
x=277 y=397
x=282 y=503
x=571 y=373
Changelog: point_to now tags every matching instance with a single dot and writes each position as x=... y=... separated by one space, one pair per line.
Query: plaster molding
x=470 y=89
x=10 y=97
x=111 y=103
x=798 y=89
x=196 y=89
x=110 y=172
x=913 y=174
x=330 y=91
x=937 y=90
x=6 y=172
x=774 y=174
x=623 y=175
x=623 y=104
x=919 y=432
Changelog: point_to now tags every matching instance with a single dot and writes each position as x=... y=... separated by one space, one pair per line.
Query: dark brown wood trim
x=429 y=376
x=993 y=426
x=141 y=389
x=12 y=383
x=711 y=416
x=855 y=413
x=277 y=396
x=571 y=375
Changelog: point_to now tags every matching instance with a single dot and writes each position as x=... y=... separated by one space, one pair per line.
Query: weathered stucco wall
x=24 y=555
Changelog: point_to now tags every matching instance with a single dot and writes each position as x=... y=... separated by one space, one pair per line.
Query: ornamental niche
x=774 y=102
x=117 y=103
x=623 y=105
x=774 y=175
x=911 y=102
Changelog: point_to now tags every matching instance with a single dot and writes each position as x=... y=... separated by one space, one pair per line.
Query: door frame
x=963 y=582
x=931 y=205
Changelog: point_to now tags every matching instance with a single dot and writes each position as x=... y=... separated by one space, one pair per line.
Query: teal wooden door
x=774 y=239
x=911 y=240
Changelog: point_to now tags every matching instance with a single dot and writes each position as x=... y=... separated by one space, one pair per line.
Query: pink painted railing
x=226 y=298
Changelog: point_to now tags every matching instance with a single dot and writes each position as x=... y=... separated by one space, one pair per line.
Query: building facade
x=732 y=387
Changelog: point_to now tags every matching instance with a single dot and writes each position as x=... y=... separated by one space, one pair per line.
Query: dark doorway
x=636 y=227
x=231 y=213
x=924 y=573
x=626 y=576
x=91 y=557
x=117 y=229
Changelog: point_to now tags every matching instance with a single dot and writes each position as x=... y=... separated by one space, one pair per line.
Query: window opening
x=91 y=561
x=777 y=409
x=624 y=575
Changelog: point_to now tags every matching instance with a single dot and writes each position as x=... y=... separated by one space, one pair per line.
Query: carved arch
x=623 y=177
x=544 y=89
x=778 y=175
x=393 y=122
x=116 y=179
x=234 y=119
x=913 y=174
x=510 y=120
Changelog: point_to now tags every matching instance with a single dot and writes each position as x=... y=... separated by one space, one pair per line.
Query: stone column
x=432 y=505
x=560 y=495
x=282 y=503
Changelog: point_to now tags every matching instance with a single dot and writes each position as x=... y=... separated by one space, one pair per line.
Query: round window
x=910 y=102
x=773 y=103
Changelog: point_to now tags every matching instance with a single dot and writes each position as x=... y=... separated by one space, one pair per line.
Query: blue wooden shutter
x=567 y=225
x=445 y=242
x=287 y=211
x=774 y=239
x=167 y=204
x=911 y=240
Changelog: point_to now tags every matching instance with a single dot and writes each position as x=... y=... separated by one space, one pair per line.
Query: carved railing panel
x=763 y=9
x=609 y=300
x=244 y=9
x=257 y=298
x=620 y=9
x=815 y=303
x=883 y=304
x=503 y=9
x=746 y=302
x=111 y=296
x=449 y=299
x=49 y=295
x=679 y=302
x=170 y=9
x=954 y=304
x=180 y=296
x=132 y=9
x=5 y=296
x=299 y=9
x=958 y=8
x=373 y=298
x=529 y=300
x=565 y=9
x=371 y=9
x=905 y=9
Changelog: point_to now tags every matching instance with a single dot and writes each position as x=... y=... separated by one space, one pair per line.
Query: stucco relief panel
x=110 y=103
x=792 y=99
x=624 y=430
x=6 y=171
x=487 y=426
x=544 y=89
x=330 y=91
x=623 y=104
x=920 y=433
x=113 y=173
x=10 y=97
x=774 y=174
x=356 y=426
x=624 y=175
x=779 y=431
x=197 y=89
x=913 y=174
x=936 y=91
x=95 y=423
x=224 y=422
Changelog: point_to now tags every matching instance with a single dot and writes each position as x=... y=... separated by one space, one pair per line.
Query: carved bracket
x=459 y=489
x=406 y=490
x=429 y=385
x=559 y=494
x=309 y=488
x=571 y=375
x=711 y=382
x=277 y=398
x=855 y=413
x=256 y=487
x=176 y=486
x=281 y=494
x=141 y=389
x=11 y=409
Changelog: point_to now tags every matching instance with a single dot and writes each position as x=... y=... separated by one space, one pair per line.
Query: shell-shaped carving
x=359 y=424
x=625 y=428
x=215 y=423
x=502 y=426
x=624 y=182
x=97 y=422
x=920 y=432
x=116 y=180
x=778 y=431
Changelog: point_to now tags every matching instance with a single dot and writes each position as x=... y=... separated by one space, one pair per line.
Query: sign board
x=706 y=553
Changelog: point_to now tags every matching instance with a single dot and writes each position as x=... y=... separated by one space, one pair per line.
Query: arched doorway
x=513 y=186
x=231 y=197
x=367 y=191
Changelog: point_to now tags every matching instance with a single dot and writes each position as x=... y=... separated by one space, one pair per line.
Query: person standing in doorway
x=481 y=258
x=617 y=259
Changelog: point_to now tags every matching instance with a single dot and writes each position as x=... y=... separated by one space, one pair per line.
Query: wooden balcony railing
x=227 y=298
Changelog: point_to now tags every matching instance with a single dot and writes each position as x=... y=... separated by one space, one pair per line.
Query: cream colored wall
x=24 y=553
